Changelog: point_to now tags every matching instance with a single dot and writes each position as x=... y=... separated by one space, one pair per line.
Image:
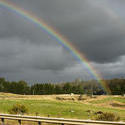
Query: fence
x=60 y=121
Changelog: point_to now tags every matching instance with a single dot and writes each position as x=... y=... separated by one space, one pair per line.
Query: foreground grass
x=65 y=109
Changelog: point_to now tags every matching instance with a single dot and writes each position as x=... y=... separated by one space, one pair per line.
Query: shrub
x=18 y=109
x=98 y=112
x=107 y=117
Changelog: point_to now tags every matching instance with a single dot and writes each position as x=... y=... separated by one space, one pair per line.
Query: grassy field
x=65 y=106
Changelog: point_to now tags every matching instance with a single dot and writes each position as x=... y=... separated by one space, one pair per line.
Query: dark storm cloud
x=95 y=27
x=13 y=25
x=92 y=26
x=23 y=55
x=111 y=70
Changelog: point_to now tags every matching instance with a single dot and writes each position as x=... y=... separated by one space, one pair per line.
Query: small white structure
x=72 y=94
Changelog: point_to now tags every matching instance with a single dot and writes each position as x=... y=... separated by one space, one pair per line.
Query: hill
x=66 y=106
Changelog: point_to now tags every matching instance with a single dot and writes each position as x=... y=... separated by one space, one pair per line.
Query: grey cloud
x=22 y=55
x=92 y=26
x=95 y=28
x=110 y=70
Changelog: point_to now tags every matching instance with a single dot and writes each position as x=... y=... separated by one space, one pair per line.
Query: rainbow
x=58 y=37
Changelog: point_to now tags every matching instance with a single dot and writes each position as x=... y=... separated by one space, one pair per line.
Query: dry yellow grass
x=63 y=97
x=67 y=97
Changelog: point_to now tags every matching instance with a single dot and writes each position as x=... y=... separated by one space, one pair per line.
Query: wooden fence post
x=39 y=123
x=19 y=121
x=2 y=119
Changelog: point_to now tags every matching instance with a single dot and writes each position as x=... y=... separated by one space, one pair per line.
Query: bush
x=107 y=117
x=18 y=109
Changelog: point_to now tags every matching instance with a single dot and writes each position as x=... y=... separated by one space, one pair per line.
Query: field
x=65 y=106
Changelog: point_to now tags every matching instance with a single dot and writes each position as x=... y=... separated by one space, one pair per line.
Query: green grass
x=119 y=99
x=101 y=101
x=63 y=109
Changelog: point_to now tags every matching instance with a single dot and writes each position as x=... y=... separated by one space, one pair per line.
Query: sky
x=95 y=27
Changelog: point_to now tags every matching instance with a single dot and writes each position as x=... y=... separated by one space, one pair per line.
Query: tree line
x=117 y=87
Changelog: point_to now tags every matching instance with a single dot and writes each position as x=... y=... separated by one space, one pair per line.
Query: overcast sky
x=95 y=27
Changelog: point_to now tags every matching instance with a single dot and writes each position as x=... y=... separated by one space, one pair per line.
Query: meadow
x=65 y=106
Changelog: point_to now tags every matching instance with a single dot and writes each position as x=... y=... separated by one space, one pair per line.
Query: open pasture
x=65 y=106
